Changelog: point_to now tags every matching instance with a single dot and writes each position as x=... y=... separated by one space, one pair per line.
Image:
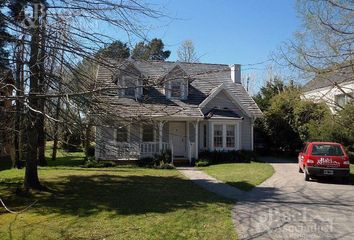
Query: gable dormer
x=176 y=83
x=129 y=81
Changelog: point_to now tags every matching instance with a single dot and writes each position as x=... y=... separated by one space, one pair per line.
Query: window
x=343 y=99
x=204 y=135
x=230 y=136
x=148 y=133
x=129 y=90
x=122 y=134
x=218 y=136
x=326 y=150
x=224 y=136
x=176 y=91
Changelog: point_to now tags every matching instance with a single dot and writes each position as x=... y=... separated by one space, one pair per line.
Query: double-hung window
x=218 y=136
x=176 y=89
x=230 y=136
x=122 y=134
x=224 y=136
x=148 y=133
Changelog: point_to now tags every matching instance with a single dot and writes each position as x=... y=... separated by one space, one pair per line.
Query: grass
x=244 y=176
x=112 y=203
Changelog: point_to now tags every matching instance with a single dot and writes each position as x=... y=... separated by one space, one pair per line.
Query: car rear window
x=326 y=150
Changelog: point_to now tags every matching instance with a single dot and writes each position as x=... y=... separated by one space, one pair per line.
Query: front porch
x=184 y=138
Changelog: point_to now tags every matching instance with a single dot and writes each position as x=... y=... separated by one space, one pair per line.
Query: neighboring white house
x=334 y=89
x=184 y=107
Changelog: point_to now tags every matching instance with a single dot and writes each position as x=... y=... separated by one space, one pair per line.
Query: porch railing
x=130 y=151
x=149 y=149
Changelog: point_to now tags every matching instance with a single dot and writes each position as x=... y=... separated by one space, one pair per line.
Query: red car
x=324 y=159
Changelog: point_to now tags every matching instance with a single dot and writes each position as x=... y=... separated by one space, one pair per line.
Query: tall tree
x=115 y=50
x=186 y=52
x=154 y=50
x=38 y=65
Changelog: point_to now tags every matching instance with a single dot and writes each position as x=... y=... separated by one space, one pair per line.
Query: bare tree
x=46 y=64
x=186 y=52
x=324 y=47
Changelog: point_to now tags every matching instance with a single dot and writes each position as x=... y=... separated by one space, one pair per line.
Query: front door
x=178 y=138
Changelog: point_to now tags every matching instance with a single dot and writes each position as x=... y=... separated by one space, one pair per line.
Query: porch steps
x=181 y=162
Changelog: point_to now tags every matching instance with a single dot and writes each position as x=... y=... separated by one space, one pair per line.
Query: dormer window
x=129 y=87
x=129 y=90
x=177 y=89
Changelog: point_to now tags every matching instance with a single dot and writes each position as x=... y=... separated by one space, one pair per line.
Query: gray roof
x=203 y=78
x=340 y=76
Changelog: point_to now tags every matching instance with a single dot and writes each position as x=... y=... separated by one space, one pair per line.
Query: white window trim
x=128 y=134
x=237 y=136
x=138 y=90
x=183 y=88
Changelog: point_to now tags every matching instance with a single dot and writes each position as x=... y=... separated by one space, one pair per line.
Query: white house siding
x=246 y=134
x=327 y=94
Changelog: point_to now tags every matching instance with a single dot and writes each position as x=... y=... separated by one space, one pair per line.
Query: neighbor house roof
x=202 y=77
x=330 y=79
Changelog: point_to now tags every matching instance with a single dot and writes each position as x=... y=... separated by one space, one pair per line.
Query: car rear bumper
x=319 y=171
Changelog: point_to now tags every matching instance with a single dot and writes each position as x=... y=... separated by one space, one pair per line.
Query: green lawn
x=244 y=176
x=112 y=203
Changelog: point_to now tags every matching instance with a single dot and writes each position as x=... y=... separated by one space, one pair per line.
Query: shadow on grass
x=242 y=185
x=124 y=195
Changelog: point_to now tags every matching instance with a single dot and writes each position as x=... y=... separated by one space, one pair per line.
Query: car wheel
x=300 y=170
x=307 y=176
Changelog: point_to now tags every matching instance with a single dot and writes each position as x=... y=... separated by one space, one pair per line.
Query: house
x=152 y=106
x=333 y=88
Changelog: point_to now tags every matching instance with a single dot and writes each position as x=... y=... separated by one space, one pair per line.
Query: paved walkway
x=211 y=184
x=287 y=207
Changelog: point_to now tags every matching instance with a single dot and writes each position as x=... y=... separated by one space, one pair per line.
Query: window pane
x=326 y=150
x=205 y=135
x=340 y=100
x=130 y=87
x=122 y=134
x=218 y=136
x=148 y=133
x=176 y=89
x=230 y=136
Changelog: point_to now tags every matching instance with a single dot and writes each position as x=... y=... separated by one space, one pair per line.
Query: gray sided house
x=184 y=107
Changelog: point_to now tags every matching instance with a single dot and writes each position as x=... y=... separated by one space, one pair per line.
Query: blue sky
x=227 y=31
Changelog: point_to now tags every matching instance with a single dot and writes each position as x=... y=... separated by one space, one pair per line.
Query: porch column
x=196 y=139
x=160 y=135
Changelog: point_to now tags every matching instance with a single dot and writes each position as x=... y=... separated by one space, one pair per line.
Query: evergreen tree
x=116 y=50
x=154 y=50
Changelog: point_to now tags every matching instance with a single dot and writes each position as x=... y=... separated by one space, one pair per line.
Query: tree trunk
x=41 y=102
x=88 y=137
x=17 y=140
x=31 y=174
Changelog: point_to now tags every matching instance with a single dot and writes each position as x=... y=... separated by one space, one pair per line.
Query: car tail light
x=346 y=162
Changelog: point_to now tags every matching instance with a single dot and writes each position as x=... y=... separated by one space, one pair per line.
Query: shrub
x=163 y=158
x=167 y=166
x=91 y=163
x=215 y=157
x=202 y=163
x=146 y=162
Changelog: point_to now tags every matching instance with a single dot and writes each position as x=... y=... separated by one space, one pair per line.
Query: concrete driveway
x=287 y=207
